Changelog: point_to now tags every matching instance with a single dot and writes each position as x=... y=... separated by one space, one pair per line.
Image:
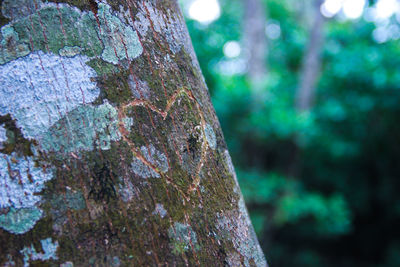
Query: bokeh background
x=308 y=96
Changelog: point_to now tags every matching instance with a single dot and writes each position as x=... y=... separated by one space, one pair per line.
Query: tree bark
x=110 y=150
x=311 y=62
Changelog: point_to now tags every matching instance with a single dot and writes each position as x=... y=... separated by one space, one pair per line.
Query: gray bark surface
x=110 y=150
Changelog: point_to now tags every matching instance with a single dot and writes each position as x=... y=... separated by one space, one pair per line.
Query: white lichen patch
x=159 y=210
x=142 y=24
x=238 y=228
x=20 y=181
x=126 y=192
x=156 y=158
x=228 y=161
x=67 y=264
x=169 y=25
x=3 y=136
x=183 y=238
x=49 y=248
x=140 y=89
x=10 y=261
x=83 y=129
x=128 y=122
x=210 y=136
x=116 y=262
x=39 y=89
x=231 y=169
x=120 y=40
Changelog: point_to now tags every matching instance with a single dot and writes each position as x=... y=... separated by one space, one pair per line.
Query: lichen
x=182 y=237
x=20 y=181
x=36 y=97
x=115 y=262
x=140 y=89
x=3 y=136
x=156 y=158
x=210 y=136
x=126 y=192
x=10 y=48
x=49 y=248
x=228 y=161
x=20 y=221
x=231 y=170
x=10 y=261
x=120 y=40
x=107 y=260
x=40 y=30
x=43 y=31
x=14 y=9
x=170 y=26
x=60 y=204
x=159 y=210
x=101 y=67
x=83 y=129
x=237 y=227
x=128 y=122
x=70 y=51
x=67 y=264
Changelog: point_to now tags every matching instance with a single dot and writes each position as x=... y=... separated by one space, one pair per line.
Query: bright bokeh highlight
x=273 y=30
x=204 y=11
x=353 y=9
x=232 y=49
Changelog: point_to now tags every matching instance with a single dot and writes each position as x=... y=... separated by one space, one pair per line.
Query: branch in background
x=311 y=62
x=254 y=40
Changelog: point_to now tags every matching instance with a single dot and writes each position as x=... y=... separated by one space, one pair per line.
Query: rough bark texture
x=110 y=150
x=311 y=62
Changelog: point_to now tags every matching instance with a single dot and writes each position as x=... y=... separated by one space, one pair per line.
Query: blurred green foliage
x=322 y=186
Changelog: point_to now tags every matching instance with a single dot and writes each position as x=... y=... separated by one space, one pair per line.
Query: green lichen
x=13 y=9
x=78 y=33
x=69 y=51
x=69 y=201
x=183 y=238
x=101 y=67
x=120 y=40
x=85 y=128
x=10 y=46
x=43 y=31
x=19 y=221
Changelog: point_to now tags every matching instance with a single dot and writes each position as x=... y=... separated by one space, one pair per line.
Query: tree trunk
x=311 y=62
x=255 y=41
x=111 y=153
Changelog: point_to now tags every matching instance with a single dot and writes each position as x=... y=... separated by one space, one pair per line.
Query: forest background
x=308 y=95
